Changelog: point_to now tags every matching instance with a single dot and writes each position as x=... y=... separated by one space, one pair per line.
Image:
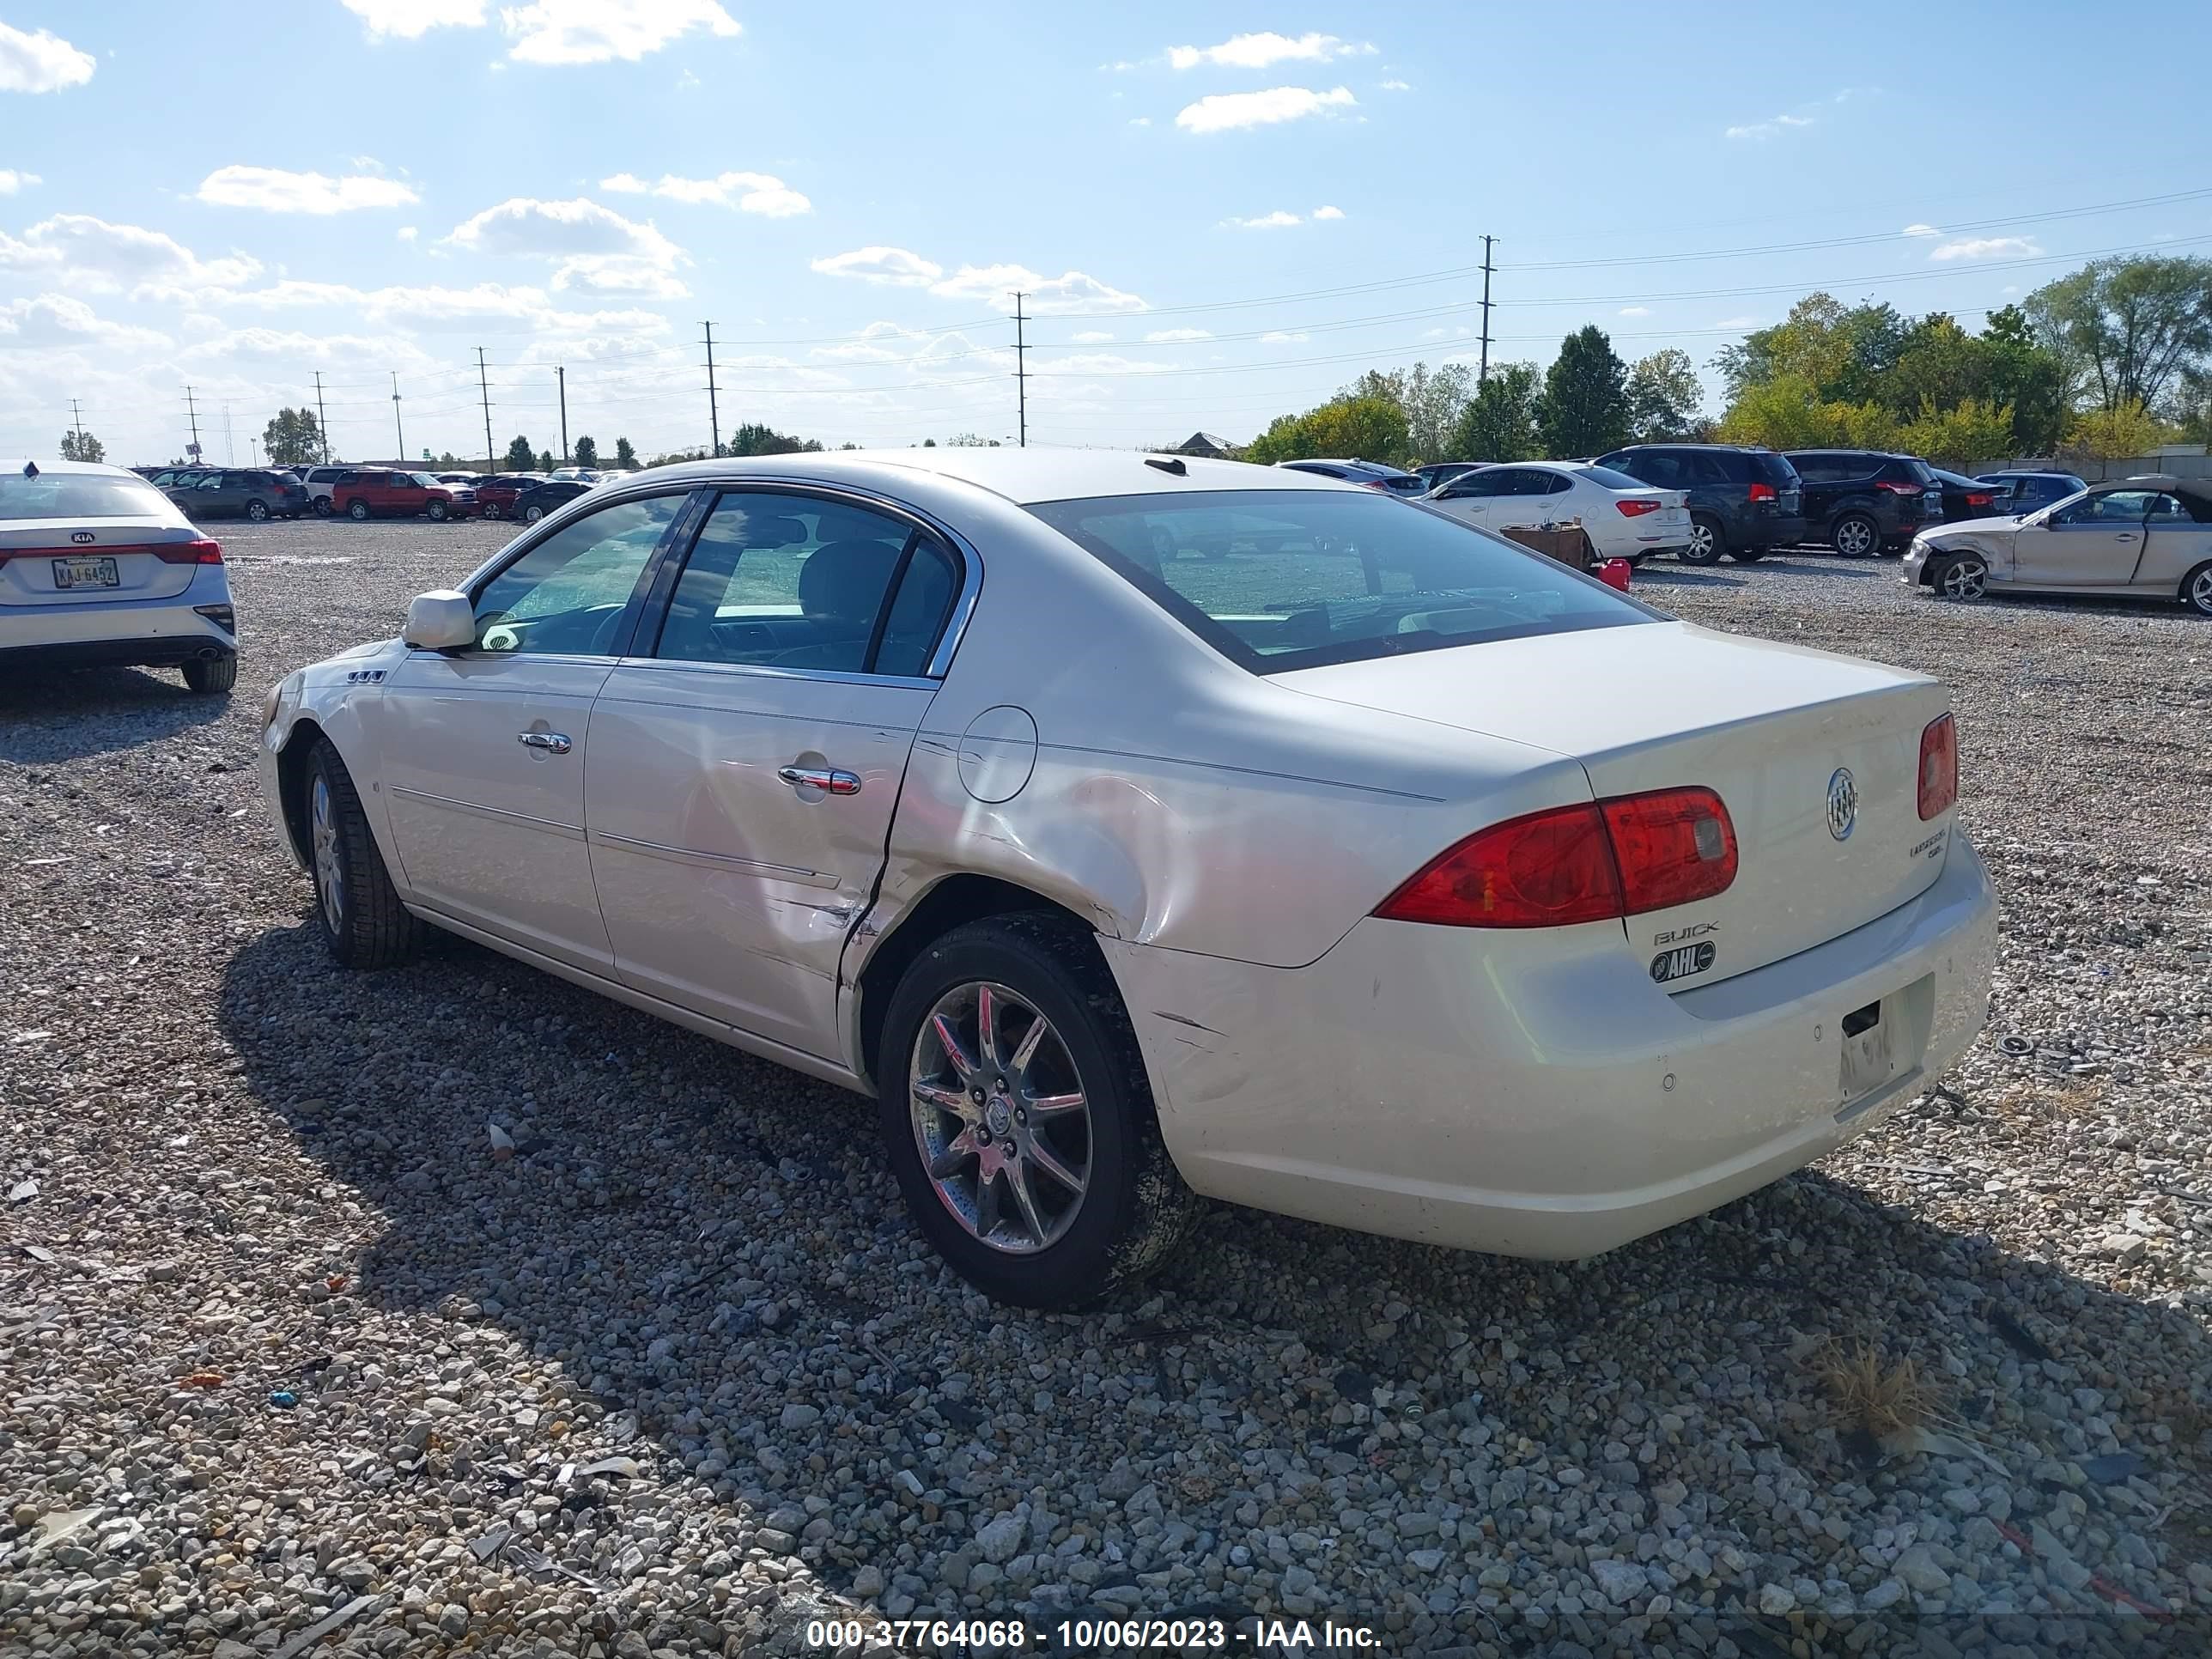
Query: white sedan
x=1625 y=517
x=99 y=569
x=1134 y=829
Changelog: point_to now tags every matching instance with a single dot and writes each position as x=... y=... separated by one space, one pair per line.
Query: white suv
x=319 y=481
x=98 y=567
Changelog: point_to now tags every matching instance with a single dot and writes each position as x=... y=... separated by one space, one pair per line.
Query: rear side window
x=1283 y=580
x=1662 y=467
x=81 y=495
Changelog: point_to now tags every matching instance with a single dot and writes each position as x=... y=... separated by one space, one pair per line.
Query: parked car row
x=365 y=492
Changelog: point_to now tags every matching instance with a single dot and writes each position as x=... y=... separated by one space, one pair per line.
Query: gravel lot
x=281 y=1341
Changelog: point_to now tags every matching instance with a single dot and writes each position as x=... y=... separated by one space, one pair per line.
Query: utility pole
x=400 y=431
x=561 y=375
x=491 y=460
x=76 y=424
x=322 y=420
x=229 y=448
x=1484 y=373
x=192 y=414
x=1021 y=369
x=714 y=410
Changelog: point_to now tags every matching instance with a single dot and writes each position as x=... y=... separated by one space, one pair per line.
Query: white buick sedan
x=1136 y=828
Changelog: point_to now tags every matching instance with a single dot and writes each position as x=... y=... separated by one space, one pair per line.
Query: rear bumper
x=158 y=633
x=1773 y=532
x=1540 y=1096
x=162 y=650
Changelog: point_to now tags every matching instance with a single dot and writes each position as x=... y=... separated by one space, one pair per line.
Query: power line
x=1021 y=370
x=714 y=410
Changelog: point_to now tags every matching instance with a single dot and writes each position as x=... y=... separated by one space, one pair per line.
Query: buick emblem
x=1842 y=804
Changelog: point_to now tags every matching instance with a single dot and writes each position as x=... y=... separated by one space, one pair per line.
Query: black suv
x=1743 y=500
x=1864 y=500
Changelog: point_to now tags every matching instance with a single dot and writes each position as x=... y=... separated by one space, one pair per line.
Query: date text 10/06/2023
x=1088 y=1635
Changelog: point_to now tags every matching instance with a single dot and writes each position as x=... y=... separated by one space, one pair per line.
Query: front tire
x=532 y=513
x=1019 y=1120
x=2197 y=589
x=1747 y=555
x=322 y=507
x=364 y=924
x=437 y=512
x=257 y=511
x=211 y=674
x=1855 y=536
x=1708 y=541
x=358 y=512
x=1964 y=576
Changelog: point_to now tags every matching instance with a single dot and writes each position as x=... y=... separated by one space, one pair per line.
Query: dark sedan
x=534 y=503
x=1965 y=497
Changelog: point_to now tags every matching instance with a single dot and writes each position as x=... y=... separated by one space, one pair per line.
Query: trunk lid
x=1770 y=728
x=92 y=560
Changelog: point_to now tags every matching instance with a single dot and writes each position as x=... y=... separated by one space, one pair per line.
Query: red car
x=380 y=493
x=495 y=495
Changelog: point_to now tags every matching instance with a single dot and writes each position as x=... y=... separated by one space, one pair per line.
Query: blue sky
x=1221 y=213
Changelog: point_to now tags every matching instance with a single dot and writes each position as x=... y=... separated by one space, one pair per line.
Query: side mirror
x=440 y=620
x=1613 y=573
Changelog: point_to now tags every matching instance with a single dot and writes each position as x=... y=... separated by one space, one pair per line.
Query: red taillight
x=1636 y=509
x=1975 y=499
x=1897 y=488
x=1939 y=767
x=1590 y=863
x=1762 y=492
x=199 y=552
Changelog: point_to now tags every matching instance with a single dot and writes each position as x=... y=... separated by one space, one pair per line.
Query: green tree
x=2130 y=329
x=1432 y=400
x=758 y=438
x=587 y=453
x=545 y=461
x=1371 y=428
x=1584 y=408
x=1787 y=412
x=293 y=439
x=82 y=446
x=1663 y=395
x=520 y=457
x=1499 y=422
x=2115 y=434
x=1843 y=352
x=625 y=457
x=1970 y=430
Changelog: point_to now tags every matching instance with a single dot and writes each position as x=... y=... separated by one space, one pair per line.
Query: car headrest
x=845 y=581
x=762 y=531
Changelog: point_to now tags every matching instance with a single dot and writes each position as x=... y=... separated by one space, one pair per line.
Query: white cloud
x=1226 y=111
x=274 y=190
x=1264 y=221
x=2009 y=288
x=53 y=319
x=1920 y=230
x=1987 y=247
x=1395 y=86
x=1093 y=337
x=103 y=258
x=890 y=267
x=434 y=307
x=1636 y=311
x=1763 y=129
x=747 y=192
x=41 y=62
x=1737 y=322
x=409 y=19
x=593 y=247
x=595 y=30
x=1446 y=333
x=1320 y=213
x=11 y=181
x=1259 y=50
x=1169 y=335
x=1072 y=293
x=1141 y=121
x=1281 y=337
x=408 y=233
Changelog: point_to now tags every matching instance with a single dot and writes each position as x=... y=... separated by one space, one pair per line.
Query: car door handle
x=553 y=743
x=827 y=779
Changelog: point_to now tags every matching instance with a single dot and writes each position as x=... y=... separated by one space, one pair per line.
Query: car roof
x=2197 y=489
x=13 y=467
x=1025 y=477
x=1740 y=449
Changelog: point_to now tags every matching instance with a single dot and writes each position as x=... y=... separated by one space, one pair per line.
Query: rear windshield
x=1918 y=471
x=1282 y=579
x=1611 y=480
x=1772 y=468
x=81 y=496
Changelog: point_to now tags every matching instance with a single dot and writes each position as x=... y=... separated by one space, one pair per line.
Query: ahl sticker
x=1681 y=963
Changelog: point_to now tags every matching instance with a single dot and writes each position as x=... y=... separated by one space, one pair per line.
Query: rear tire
x=1855 y=536
x=1708 y=541
x=532 y=513
x=1132 y=1210
x=322 y=507
x=364 y=924
x=217 y=674
x=2197 y=589
x=358 y=512
x=1747 y=555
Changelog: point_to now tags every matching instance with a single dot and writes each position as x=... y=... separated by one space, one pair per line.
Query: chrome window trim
x=774 y=671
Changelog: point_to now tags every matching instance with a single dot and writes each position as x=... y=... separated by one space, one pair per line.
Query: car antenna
x=1168 y=464
x=30 y=469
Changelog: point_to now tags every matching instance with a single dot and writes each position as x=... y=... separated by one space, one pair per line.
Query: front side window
x=793 y=581
x=2113 y=507
x=1283 y=580
x=566 y=594
x=1491 y=481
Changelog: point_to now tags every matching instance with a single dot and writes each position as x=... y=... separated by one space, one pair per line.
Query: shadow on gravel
x=703 y=1241
x=42 y=715
x=1668 y=575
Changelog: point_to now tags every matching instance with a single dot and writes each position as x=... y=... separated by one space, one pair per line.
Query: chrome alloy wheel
x=1000 y=1117
x=330 y=866
x=2200 y=591
x=1701 y=543
x=1855 y=538
x=1964 y=578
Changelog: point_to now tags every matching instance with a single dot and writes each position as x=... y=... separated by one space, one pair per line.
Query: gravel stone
x=676 y=1376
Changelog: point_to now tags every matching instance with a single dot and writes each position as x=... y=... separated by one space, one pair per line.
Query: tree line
x=2109 y=362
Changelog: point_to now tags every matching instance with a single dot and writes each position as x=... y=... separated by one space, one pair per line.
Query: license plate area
x=1869 y=1050
x=85 y=573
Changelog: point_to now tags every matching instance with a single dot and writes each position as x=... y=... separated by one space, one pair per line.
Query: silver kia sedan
x=1137 y=830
